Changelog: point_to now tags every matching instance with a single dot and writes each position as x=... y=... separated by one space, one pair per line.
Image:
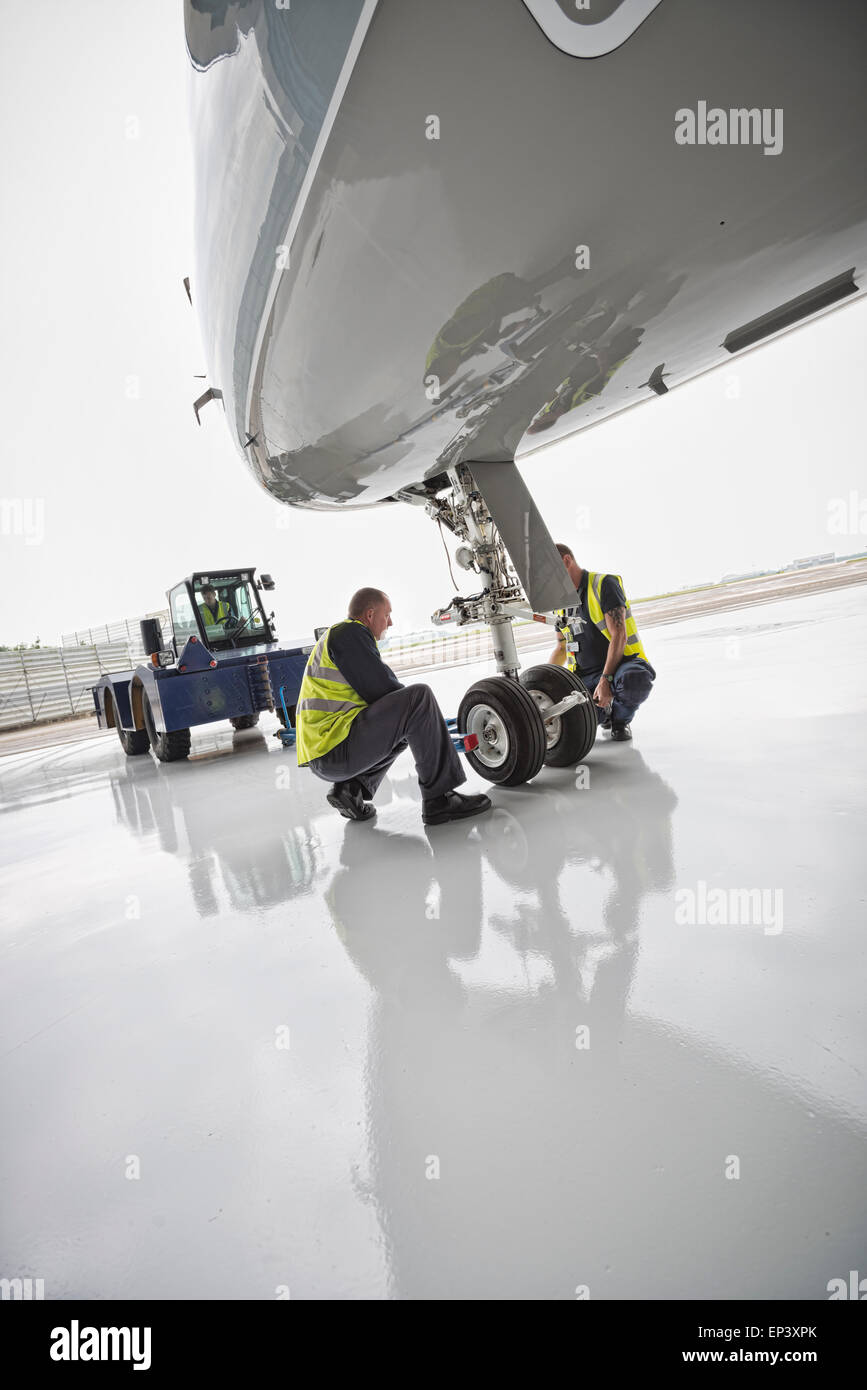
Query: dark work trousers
x=405 y=718
x=631 y=685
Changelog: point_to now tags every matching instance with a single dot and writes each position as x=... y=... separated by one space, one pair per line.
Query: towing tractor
x=223 y=661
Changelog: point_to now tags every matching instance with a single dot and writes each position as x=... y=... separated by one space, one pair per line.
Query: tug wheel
x=132 y=741
x=169 y=747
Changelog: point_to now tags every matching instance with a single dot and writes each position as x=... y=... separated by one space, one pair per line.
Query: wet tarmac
x=609 y=1038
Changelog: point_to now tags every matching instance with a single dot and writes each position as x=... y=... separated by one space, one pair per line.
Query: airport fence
x=41 y=685
x=417 y=651
x=38 y=686
x=124 y=630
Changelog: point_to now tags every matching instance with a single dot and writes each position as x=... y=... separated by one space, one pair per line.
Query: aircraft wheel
x=569 y=738
x=506 y=721
x=244 y=721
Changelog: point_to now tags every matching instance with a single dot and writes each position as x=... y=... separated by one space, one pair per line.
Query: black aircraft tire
x=572 y=735
x=507 y=722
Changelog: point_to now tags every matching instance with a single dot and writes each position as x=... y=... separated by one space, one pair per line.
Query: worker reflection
x=215 y=610
x=499 y=948
x=405 y=956
x=354 y=717
x=628 y=842
x=599 y=640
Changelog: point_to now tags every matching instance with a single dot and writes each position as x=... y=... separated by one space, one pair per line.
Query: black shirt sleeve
x=353 y=649
x=611 y=594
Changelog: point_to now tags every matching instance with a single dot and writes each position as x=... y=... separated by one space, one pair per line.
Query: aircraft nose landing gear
x=521 y=722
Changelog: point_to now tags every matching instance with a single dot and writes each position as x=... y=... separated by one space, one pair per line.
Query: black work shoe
x=346 y=798
x=453 y=806
x=357 y=789
x=620 y=733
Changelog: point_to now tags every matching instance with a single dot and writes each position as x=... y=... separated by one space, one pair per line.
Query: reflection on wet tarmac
x=568 y=1132
x=512 y=1071
x=256 y=866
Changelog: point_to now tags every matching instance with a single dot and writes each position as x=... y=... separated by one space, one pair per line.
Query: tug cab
x=240 y=620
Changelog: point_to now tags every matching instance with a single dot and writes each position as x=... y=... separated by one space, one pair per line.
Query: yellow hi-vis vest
x=597 y=617
x=222 y=612
x=327 y=704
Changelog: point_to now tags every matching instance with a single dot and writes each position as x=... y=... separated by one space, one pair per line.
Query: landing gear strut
x=544 y=716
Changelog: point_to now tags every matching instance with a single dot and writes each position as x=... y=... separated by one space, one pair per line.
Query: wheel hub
x=486 y=724
x=552 y=726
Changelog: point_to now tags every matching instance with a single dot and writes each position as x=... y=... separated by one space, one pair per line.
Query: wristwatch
x=605 y=678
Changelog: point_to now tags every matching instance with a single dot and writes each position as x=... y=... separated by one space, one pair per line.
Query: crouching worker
x=354 y=717
x=611 y=660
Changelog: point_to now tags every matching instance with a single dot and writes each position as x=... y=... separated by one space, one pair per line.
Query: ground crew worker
x=214 y=610
x=353 y=718
x=611 y=660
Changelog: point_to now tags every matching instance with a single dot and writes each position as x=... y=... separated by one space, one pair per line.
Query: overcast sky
x=111 y=491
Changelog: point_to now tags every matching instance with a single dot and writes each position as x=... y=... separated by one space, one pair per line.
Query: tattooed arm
x=615 y=621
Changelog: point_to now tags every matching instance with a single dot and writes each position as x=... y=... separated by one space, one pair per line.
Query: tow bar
x=286 y=734
x=568 y=702
x=464 y=743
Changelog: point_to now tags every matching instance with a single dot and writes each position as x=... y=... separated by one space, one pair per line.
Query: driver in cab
x=215 y=610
